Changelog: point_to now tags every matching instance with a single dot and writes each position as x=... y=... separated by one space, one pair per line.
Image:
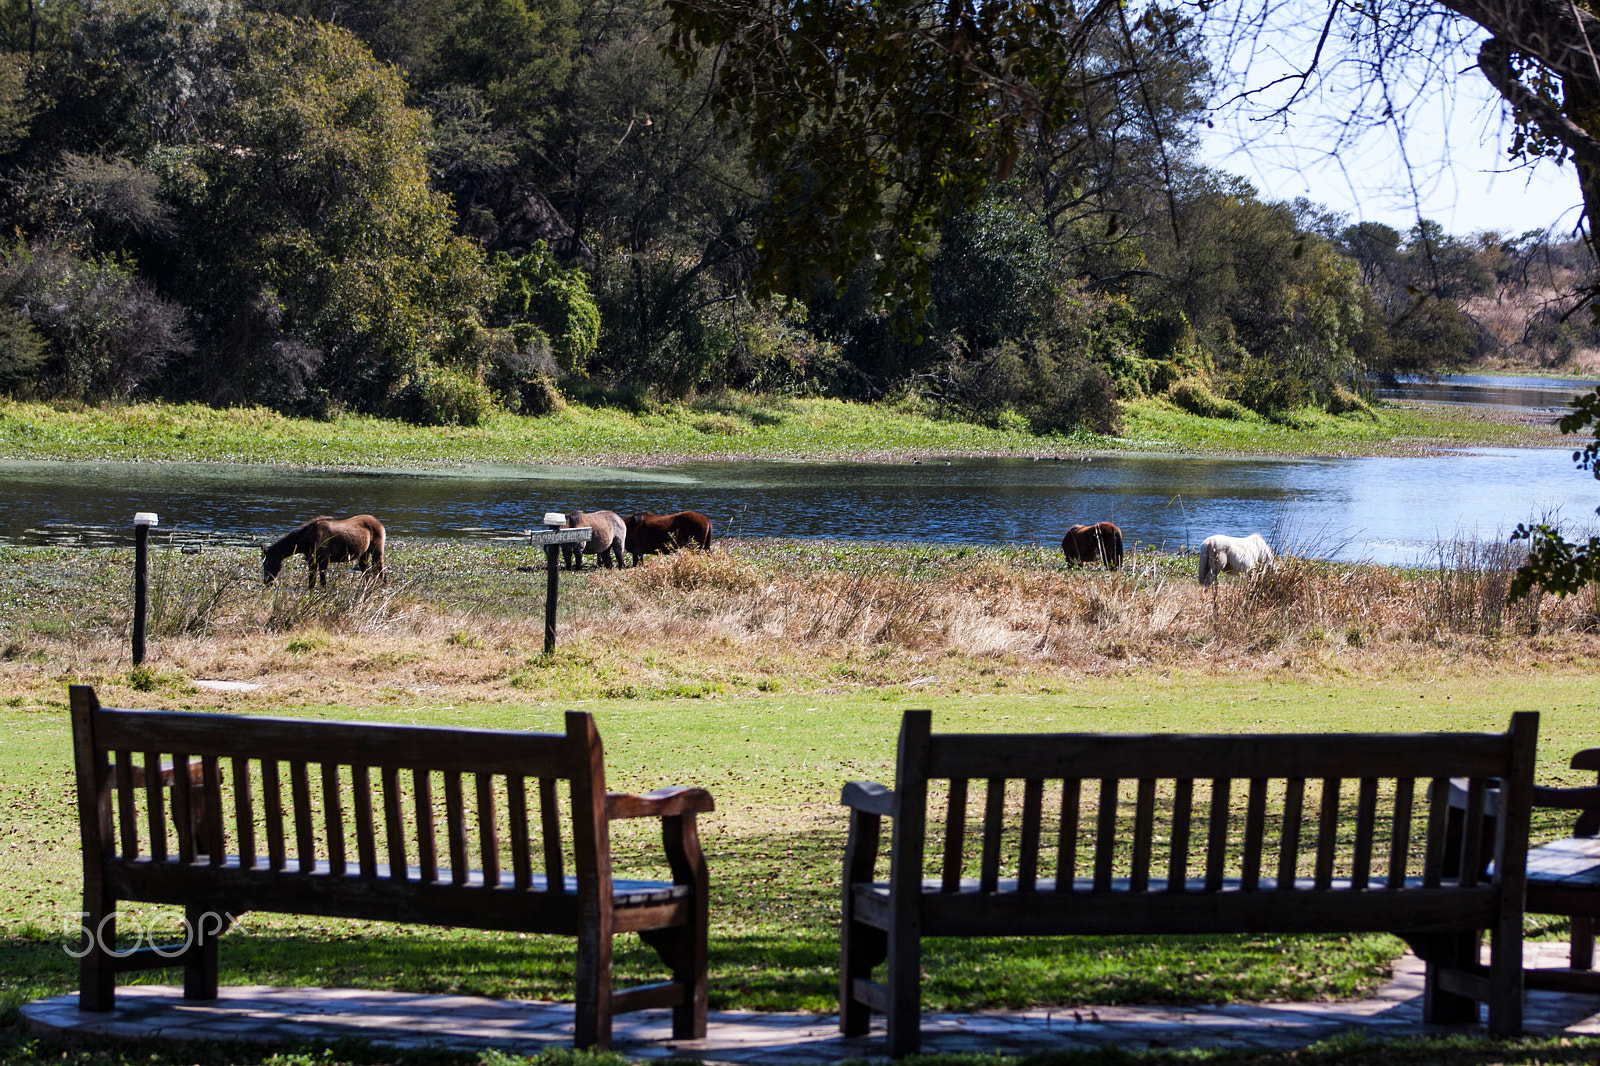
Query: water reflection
x=1479 y=390
x=1383 y=509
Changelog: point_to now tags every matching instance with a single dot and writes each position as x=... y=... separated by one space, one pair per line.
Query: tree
x=871 y=123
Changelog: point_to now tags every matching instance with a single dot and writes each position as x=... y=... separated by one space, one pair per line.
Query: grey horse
x=609 y=537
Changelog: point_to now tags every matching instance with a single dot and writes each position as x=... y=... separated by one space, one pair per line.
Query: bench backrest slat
x=1366 y=817
x=955 y=834
x=427 y=852
x=517 y=815
x=155 y=801
x=1400 y=854
x=1217 y=833
x=1067 y=836
x=1032 y=819
x=455 y=820
x=272 y=813
x=333 y=818
x=994 y=812
x=550 y=819
x=488 y=838
x=361 y=801
x=408 y=746
x=127 y=821
x=1259 y=826
x=1255 y=825
x=1144 y=822
x=244 y=816
x=1178 y=855
x=394 y=830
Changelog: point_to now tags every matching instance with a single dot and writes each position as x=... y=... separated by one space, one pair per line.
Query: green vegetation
x=440 y=213
x=726 y=426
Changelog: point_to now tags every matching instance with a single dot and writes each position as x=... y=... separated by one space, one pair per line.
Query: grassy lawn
x=712 y=428
x=769 y=673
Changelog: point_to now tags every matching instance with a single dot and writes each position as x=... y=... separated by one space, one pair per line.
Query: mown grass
x=721 y=427
x=1393 y=429
x=769 y=673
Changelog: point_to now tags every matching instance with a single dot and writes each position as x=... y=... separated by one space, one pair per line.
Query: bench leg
x=1583 y=943
x=593 y=994
x=1448 y=950
x=905 y=992
x=861 y=947
x=97 y=969
x=683 y=949
x=200 y=961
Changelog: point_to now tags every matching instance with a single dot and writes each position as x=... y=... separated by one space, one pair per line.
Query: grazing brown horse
x=607 y=540
x=649 y=533
x=1101 y=542
x=325 y=540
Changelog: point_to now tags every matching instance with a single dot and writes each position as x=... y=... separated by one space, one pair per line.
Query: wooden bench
x=543 y=860
x=1563 y=875
x=1159 y=855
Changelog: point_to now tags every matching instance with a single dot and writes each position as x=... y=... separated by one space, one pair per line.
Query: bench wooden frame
x=227 y=769
x=1564 y=879
x=1236 y=892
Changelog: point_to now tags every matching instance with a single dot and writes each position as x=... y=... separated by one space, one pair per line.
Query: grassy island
x=724 y=427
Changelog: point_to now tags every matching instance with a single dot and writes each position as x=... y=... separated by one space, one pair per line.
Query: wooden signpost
x=141 y=551
x=552 y=540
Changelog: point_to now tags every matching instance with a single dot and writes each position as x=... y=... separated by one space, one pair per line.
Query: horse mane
x=285 y=545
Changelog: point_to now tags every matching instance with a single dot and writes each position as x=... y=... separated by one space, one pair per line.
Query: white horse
x=1232 y=555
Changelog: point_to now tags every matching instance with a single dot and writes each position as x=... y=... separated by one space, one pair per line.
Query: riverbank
x=725 y=427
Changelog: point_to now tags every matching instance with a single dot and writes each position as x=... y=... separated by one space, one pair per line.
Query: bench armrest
x=662 y=803
x=868 y=797
x=1584 y=800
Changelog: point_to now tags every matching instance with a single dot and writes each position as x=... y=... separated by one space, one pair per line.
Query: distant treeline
x=433 y=208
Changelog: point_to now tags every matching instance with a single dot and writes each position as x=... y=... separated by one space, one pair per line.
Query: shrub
x=108 y=332
x=442 y=396
x=1194 y=396
x=547 y=305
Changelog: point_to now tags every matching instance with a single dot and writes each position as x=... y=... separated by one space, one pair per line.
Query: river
x=1387 y=510
x=1384 y=510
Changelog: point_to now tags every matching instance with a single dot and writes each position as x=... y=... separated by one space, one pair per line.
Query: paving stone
x=744 y=1038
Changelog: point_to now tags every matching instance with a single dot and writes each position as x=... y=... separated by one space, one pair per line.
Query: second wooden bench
x=1166 y=847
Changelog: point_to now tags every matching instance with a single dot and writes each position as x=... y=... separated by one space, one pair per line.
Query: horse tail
x=1116 y=548
x=705 y=539
x=1206 y=573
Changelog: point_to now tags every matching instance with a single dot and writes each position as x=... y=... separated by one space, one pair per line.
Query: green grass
x=711 y=428
x=1396 y=430
x=775 y=766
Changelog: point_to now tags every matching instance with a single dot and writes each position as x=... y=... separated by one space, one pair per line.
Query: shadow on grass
x=772 y=972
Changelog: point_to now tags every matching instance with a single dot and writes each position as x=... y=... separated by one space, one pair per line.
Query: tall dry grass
x=464 y=623
x=1153 y=609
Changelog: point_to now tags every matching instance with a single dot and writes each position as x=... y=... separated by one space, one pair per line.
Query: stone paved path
x=745 y=1037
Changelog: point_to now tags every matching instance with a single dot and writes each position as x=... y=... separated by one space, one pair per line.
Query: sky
x=1445 y=154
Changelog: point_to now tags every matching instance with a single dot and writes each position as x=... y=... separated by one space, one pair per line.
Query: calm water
x=1519 y=393
x=1385 y=510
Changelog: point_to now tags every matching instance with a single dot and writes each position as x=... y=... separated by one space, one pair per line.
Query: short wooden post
x=551 y=541
x=552 y=560
x=141 y=571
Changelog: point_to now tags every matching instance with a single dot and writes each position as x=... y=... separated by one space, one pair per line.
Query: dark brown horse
x=649 y=533
x=1101 y=542
x=325 y=540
